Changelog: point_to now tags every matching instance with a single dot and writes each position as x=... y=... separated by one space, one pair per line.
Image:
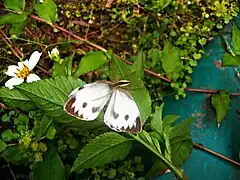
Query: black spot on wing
x=95 y=109
x=126 y=117
x=115 y=115
x=84 y=105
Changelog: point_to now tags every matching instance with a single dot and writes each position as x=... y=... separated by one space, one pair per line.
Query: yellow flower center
x=23 y=73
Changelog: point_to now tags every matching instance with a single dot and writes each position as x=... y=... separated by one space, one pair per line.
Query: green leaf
x=16 y=5
x=230 y=61
x=164 y=3
x=14 y=155
x=3 y=145
x=6 y=118
x=51 y=168
x=91 y=61
x=119 y=71
x=21 y=119
x=103 y=149
x=15 y=99
x=47 y=10
x=138 y=65
x=235 y=40
x=169 y=120
x=7 y=135
x=58 y=70
x=156 y=122
x=11 y=18
x=41 y=127
x=171 y=62
x=221 y=104
x=182 y=129
x=51 y=133
x=50 y=95
x=180 y=151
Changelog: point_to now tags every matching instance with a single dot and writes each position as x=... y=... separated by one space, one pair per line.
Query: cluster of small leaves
x=127 y=169
x=17 y=136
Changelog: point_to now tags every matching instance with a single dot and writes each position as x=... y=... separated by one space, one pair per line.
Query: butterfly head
x=121 y=83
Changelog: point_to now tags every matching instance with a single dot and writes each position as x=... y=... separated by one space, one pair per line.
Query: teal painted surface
x=224 y=140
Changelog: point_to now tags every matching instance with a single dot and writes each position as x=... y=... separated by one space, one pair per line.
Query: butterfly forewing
x=122 y=113
x=86 y=103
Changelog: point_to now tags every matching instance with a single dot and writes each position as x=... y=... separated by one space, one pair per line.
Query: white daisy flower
x=23 y=71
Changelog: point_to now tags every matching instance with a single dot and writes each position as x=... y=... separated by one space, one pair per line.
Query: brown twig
x=199 y=146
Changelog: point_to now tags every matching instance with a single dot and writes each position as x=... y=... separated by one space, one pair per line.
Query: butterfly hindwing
x=86 y=102
x=122 y=113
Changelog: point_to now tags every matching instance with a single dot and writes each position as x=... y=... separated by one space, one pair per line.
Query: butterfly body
x=120 y=110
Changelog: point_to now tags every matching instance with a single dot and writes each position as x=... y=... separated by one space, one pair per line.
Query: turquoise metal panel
x=224 y=140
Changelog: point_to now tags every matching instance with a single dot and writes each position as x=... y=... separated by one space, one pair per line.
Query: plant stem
x=199 y=146
x=178 y=173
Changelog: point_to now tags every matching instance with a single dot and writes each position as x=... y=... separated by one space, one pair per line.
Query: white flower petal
x=35 y=57
x=21 y=64
x=32 y=78
x=11 y=71
x=13 y=82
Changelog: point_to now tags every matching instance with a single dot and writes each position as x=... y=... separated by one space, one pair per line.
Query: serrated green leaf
x=121 y=71
x=51 y=168
x=171 y=62
x=169 y=120
x=221 y=103
x=156 y=122
x=138 y=65
x=50 y=95
x=230 y=61
x=16 y=5
x=91 y=61
x=103 y=149
x=3 y=145
x=47 y=10
x=235 y=40
x=15 y=99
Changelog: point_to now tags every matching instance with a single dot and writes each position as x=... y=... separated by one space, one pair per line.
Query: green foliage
x=3 y=145
x=230 y=61
x=221 y=102
x=47 y=10
x=51 y=168
x=17 y=22
x=16 y=5
x=175 y=140
x=103 y=149
x=236 y=38
x=171 y=62
x=138 y=64
x=91 y=61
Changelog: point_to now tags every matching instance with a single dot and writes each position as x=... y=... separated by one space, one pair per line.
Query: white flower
x=23 y=71
x=41 y=1
x=54 y=53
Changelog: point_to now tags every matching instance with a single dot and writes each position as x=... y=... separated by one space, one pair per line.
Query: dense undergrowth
x=166 y=37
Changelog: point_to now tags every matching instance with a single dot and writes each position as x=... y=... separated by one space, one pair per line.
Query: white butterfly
x=121 y=111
